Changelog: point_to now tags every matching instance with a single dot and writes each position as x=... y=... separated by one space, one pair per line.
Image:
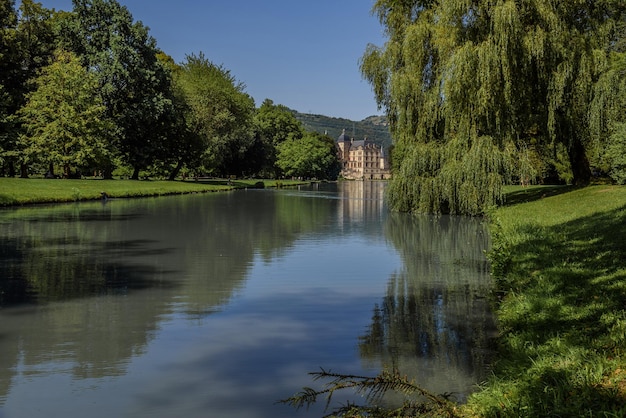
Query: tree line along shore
x=89 y=91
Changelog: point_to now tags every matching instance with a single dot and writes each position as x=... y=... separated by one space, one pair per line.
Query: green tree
x=185 y=145
x=314 y=155
x=64 y=118
x=220 y=112
x=135 y=87
x=4 y=124
x=467 y=86
x=26 y=45
x=8 y=67
x=608 y=116
x=274 y=125
x=36 y=38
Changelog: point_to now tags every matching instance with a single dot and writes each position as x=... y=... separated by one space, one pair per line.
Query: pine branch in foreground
x=373 y=389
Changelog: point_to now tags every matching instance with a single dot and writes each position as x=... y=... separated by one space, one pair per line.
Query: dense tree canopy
x=7 y=22
x=312 y=156
x=64 y=119
x=160 y=117
x=134 y=85
x=26 y=44
x=275 y=124
x=219 y=111
x=478 y=92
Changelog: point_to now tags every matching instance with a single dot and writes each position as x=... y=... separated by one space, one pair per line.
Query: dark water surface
x=218 y=305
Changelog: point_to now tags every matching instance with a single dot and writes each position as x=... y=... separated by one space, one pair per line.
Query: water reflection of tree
x=434 y=322
x=187 y=253
x=67 y=252
x=230 y=234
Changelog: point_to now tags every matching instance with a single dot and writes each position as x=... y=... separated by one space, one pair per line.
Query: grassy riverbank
x=559 y=265
x=16 y=191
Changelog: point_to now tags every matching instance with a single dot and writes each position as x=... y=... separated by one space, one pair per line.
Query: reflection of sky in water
x=238 y=306
x=296 y=313
x=353 y=264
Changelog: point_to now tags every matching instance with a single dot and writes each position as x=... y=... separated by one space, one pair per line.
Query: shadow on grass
x=532 y=193
x=565 y=318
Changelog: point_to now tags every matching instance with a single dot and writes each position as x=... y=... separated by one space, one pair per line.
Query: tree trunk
x=579 y=163
x=575 y=151
x=11 y=168
x=176 y=170
x=107 y=173
x=135 y=175
x=23 y=171
x=50 y=173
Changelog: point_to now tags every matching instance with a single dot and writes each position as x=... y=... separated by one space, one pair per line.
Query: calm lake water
x=218 y=305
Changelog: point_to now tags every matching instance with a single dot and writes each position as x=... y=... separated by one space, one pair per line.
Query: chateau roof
x=343 y=137
x=364 y=143
x=354 y=144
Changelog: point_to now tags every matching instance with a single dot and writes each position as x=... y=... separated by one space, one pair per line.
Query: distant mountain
x=373 y=127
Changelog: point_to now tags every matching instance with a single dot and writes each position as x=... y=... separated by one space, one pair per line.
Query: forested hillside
x=372 y=127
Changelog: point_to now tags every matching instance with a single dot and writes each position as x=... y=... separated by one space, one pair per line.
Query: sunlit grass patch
x=17 y=191
x=559 y=264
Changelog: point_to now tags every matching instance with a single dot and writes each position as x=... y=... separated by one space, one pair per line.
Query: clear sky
x=301 y=54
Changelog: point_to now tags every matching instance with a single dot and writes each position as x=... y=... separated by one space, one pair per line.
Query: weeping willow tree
x=476 y=90
x=608 y=114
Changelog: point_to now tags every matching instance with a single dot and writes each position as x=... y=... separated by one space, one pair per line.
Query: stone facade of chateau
x=362 y=160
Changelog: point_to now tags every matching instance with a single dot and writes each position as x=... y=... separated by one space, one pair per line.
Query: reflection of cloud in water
x=235 y=367
x=225 y=309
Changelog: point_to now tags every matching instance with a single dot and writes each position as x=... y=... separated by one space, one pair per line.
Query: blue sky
x=302 y=54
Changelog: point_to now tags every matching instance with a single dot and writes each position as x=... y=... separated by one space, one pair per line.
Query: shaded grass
x=519 y=194
x=559 y=266
x=16 y=191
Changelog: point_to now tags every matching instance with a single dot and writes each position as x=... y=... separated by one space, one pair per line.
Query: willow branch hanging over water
x=476 y=91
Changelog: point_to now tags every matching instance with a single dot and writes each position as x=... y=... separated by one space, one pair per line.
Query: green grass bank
x=16 y=191
x=559 y=268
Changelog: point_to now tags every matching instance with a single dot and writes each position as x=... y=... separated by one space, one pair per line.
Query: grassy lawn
x=16 y=191
x=559 y=267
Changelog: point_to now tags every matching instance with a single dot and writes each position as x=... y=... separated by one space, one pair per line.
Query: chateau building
x=362 y=160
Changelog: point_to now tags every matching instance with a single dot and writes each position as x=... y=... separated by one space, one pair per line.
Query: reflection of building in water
x=361 y=200
x=362 y=160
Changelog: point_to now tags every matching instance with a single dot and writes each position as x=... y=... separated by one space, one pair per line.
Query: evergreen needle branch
x=372 y=388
